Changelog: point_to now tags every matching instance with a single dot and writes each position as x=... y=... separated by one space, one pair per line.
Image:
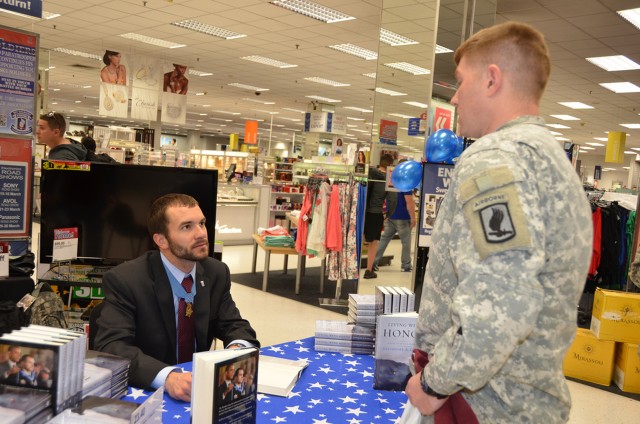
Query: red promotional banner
x=15 y=187
x=388 y=131
x=251 y=132
x=442 y=119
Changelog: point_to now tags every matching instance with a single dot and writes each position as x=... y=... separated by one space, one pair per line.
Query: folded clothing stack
x=276 y=237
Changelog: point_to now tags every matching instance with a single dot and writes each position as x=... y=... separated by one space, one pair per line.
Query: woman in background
x=114 y=72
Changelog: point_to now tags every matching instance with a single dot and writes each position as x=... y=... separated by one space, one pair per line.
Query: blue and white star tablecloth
x=335 y=388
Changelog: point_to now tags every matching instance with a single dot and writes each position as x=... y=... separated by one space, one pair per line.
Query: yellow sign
x=615 y=147
x=66 y=166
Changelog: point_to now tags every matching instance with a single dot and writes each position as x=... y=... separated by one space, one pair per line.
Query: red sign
x=251 y=132
x=442 y=119
x=388 y=129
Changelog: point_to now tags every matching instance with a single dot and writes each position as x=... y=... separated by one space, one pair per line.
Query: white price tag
x=65 y=244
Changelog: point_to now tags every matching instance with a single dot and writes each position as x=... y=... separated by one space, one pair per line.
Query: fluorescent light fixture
x=359 y=109
x=354 y=119
x=558 y=126
x=393 y=39
x=268 y=61
x=293 y=110
x=226 y=112
x=199 y=93
x=635 y=148
x=208 y=29
x=628 y=152
x=150 y=40
x=565 y=117
x=631 y=15
x=291 y=119
x=595 y=144
x=223 y=120
x=198 y=73
x=631 y=126
x=614 y=63
x=354 y=50
x=247 y=87
x=409 y=68
x=77 y=53
x=587 y=148
x=621 y=87
x=555 y=133
x=399 y=115
x=246 y=99
x=576 y=105
x=327 y=82
x=442 y=49
x=247 y=118
x=563 y=139
x=601 y=138
x=270 y=112
x=324 y=99
x=389 y=92
x=313 y=10
x=417 y=104
x=370 y=75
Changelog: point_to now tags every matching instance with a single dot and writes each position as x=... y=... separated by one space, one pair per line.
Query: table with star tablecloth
x=334 y=388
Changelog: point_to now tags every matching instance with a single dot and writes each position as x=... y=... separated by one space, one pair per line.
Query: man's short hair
x=157 y=220
x=386 y=160
x=89 y=143
x=56 y=121
x=517 y=48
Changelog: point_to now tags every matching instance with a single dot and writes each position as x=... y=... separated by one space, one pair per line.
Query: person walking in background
x=374 y=214
x=506 y=270
x=51 y=129
x=401 y=222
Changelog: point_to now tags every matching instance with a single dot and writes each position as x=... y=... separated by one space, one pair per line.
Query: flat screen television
x=109 y=205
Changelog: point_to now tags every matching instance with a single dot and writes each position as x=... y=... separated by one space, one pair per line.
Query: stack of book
x=50 y=361
x=362 y=309
x=20 y=405
x=391 y=300
x=105 y=375
x=344 y=337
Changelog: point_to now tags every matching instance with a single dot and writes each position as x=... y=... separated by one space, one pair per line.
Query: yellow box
x=616 y=316
x=590 y=359
x=627 y=370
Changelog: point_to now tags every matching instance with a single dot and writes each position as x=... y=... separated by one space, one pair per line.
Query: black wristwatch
x=428 y=390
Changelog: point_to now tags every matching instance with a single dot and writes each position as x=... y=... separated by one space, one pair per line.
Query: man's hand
x=178 y=385
x=413 y=222
x=427 y=405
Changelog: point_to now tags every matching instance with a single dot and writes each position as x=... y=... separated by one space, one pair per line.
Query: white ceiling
x=575 y=29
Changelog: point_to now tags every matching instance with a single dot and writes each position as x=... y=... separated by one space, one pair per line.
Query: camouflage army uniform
x=511 y=249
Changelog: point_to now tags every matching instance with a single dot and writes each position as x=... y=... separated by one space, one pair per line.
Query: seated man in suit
x=167 y=304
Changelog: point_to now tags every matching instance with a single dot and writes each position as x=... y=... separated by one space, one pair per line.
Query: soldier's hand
x=178 y=385
x=427 y=405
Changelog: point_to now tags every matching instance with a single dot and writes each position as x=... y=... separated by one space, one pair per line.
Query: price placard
x=65 y=244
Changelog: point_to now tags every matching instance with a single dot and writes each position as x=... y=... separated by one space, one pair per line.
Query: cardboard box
x=590 y=359
x=616 y=316
x=627 y=367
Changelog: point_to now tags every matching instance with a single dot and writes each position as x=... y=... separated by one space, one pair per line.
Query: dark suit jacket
x=138 y=319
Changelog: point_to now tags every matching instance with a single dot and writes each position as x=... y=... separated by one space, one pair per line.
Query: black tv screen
x=108 y=203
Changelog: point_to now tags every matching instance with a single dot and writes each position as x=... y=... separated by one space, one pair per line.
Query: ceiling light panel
x=268 y=61
x=246 y=99
x=327 y=82
x=576 y=105
x=324 y=99
x=409 y=68
x=393 y=39
x=370 y=75
x=199 y=73
x=442 y=49
x=389 y=92
x=151 y=40
x=631 y=126
x=596 y=144
x=565 y=117
x=359 y=109
x=354 y=50
x=313 y=10
x=614 y=63
x=631 y=15
x=417 y=104
x=559 y=126
x=208 y=29
x=77 y=53
x=247 y=87
x=621 y=87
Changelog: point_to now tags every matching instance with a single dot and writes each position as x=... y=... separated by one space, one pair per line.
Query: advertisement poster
x=65 y=244
x=435 y=184
x=31 y=7
x=15 y=187
x=440 y=116
x=388 y=132
x=18 y=74
x=147 y=78
x=113 y=100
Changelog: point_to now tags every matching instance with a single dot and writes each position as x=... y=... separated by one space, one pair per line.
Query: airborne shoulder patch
x=496 y=223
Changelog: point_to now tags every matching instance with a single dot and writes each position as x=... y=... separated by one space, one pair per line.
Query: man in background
x=51 y=130
x=10 y=366
x=506 y=269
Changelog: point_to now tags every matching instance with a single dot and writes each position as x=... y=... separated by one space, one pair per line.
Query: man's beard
x=185 y=253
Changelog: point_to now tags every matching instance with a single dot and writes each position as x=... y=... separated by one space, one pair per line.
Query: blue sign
x=329 y=121
x=435 y=184
x=414 y=127
x=307 y=121
x=31 y=7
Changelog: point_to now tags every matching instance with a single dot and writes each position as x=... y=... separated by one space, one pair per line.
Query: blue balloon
x=407 y=175
x=441 y=146
x=458 y=152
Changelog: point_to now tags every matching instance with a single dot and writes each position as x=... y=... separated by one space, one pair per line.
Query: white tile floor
x=277 y=319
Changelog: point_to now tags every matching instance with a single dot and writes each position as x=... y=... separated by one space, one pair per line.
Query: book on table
x=278 y=376
x=395 y=339
x=225 y=386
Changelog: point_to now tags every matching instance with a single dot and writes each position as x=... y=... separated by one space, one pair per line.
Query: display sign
x=440 y=116
x=597 y=172
x=417 y=126
x=15 y=187
x=18 y=75
x=147 y=77
x=65 y=244
x=388 y=132
x=31 y=7
x=251 y=132
x=435 y=184
x=4 y=258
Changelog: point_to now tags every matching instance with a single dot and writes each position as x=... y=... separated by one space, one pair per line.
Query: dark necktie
x=186 y=339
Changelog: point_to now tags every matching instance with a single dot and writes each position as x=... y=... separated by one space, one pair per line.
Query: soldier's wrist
x=428 y=390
